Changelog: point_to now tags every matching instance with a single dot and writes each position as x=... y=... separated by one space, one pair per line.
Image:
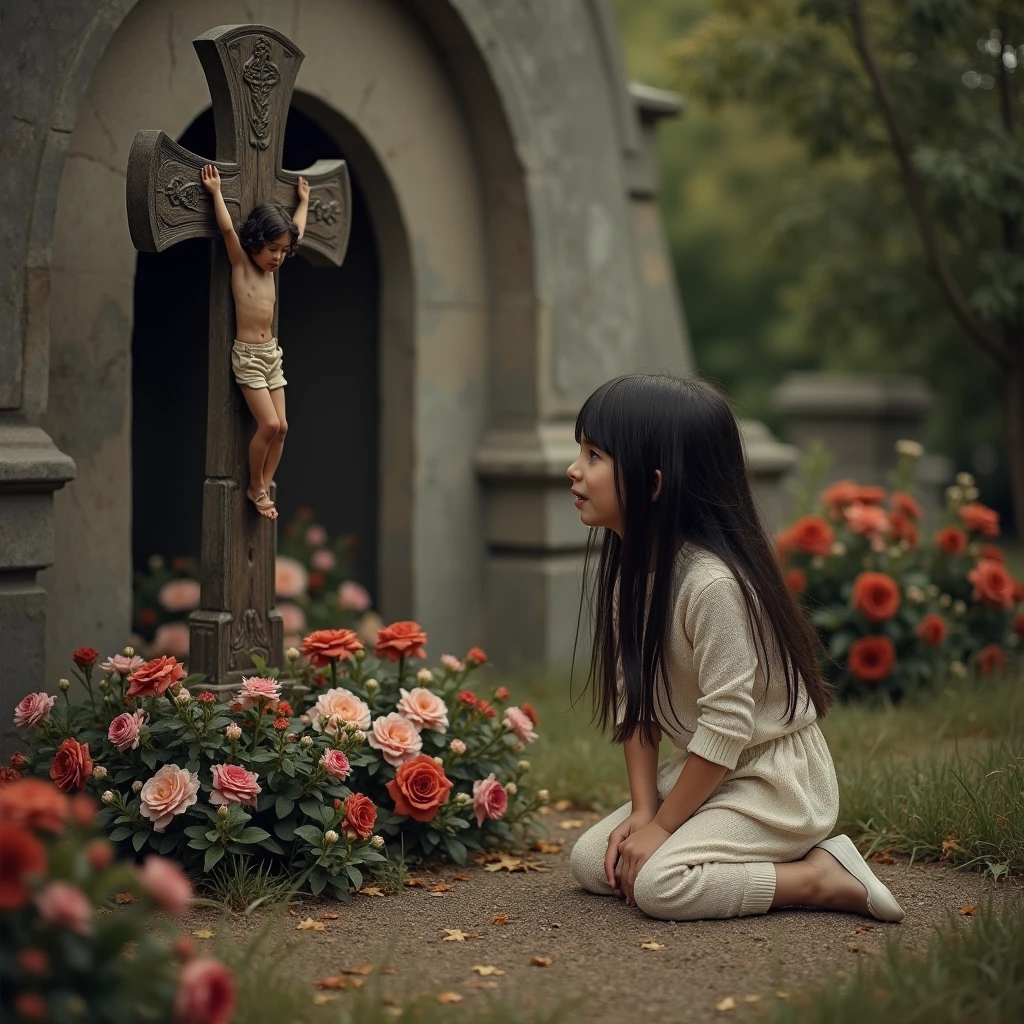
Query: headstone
x=250 y=71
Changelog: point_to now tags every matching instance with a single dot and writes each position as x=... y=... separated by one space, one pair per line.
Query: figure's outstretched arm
x=211 y=182
x=301 y=211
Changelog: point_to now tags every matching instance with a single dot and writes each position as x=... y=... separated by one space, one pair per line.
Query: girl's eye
x=592 y=454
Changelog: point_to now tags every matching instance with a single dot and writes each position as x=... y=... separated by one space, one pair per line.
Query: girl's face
x=272 y=255
x=593 y=488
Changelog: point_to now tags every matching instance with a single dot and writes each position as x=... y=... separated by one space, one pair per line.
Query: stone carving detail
x=250 y=638
x=260 y=73
x=324 y=211
x=184 y=193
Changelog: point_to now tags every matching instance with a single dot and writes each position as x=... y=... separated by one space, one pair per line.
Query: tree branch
x=913 y=186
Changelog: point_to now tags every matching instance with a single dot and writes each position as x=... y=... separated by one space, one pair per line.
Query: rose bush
x=60 y=960
x=319 y=772
x=898 y=604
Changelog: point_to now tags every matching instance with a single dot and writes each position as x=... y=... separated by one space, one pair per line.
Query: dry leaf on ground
x=541 y=846
x=450 y=997
x=309 y=925
x=441 y=887
x=336 y=982
x=571 y=823
x=329 y=917
x=486 y=969
x=968 y=911
x=322 y=998
x=883 y=858
x=540 y=961
x=562 y=805
x=463 y=878
x=499 y=919
x=861 y=928
x=751 y=999
x=949 y=847
x=458 y=935
x=507 y=863
x=479 y=983
x=781 y=993
x=728 y=1003
x=125 y=897
x=363 y=969
x=416 y=883
x=651 y=944
x=203 y=933
x=370 y=890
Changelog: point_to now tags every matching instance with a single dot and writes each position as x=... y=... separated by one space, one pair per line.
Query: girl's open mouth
x=580 y=499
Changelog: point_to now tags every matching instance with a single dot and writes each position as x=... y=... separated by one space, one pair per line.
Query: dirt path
x=595 y=943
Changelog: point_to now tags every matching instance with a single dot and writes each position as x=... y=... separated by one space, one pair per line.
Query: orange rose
x=980 y=518
x=72 y=765
x=361 y=814
x=870 y=495
x=876 y=596
x=951 y=540
x=992 y=584
x=990 y=659
x=932 y=630
x=796 y=581
x=326 y=644
x=870 y=520
x=21 y=855
x=812 y=534
x=34 y=804
x=419 y=788
x=842 y=492
x=906 y=506
x=901 y=527
x=401 y=640
x=156 y=677
x=871 y=659
x=993 y=553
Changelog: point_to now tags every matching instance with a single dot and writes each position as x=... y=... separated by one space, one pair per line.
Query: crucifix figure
x=250 y=70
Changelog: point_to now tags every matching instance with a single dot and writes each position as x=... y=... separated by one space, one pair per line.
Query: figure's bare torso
x=255 y=293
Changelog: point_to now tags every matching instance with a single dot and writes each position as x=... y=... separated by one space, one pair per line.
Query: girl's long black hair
x=685 y=428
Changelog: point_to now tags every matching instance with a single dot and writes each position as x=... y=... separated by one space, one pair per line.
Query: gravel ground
x=594 y=943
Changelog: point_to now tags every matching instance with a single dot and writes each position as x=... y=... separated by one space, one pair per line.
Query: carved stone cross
x=250 y=71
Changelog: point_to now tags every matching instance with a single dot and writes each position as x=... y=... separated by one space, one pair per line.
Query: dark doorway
x=328 y=329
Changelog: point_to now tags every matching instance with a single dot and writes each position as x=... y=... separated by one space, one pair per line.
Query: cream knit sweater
x=721 y=700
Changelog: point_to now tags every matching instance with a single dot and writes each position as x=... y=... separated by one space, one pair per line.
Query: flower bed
x=319 y=773
x=897 y=604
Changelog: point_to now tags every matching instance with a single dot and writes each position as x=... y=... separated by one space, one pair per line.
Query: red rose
x=932 y=630
x=19 y=762
x=360 y=815
x=796 y=581
x=842 y=492
x=284 y=709
x=34 y=804
x=501 y=693
x=72 y=765
x=527 y=709
x=784 y=545
x=980 y=518
x=8 y=775
x=85 y=657
x=871 y=659
x=876 y=596
x=467 y=697
x=156 y=677
x=316 y=581
x=870 y=495
x=902 y=528
x=419 y=788
x=31 y=1006
x=992 y=584
x=323 y=645
x=812 y=534
x=21 y=855
x=990 y=659
x=951 y=540
x=401 y=640
x=476 y=656
x=992 y=552
x=906 y=506
x=485 y=707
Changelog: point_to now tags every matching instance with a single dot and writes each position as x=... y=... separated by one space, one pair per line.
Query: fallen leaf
x=387 y=970
x=540 y=961
x=450 y=997
x=883 y=858
x=329 y=917
x=728 y=1003
x=481 y=984
x=321 y=998
x=309 y=925
x=751 y=999
x=781 y=993
x=861 y=928
x=499 y=919
x=363 y=969
x=571 y=823
x=394 y=1011
x=203 y=933
x=458 y=935
x=436 y=895
x=486 y=969
x=507 y=863
x=853 y=948
x=544 y=847
x=562 y=805
x=371 y=890
x=125 y=897
x=949 y=847
x=651 y=944
x=336 y=982
x=441 y=887
x=968 y=911
x=416 y=883
x=356 y=982
x=463 y=878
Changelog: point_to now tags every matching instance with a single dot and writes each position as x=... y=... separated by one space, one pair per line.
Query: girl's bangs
x=592 y=421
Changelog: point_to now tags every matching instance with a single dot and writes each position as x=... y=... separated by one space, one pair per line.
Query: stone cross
x=250 y=71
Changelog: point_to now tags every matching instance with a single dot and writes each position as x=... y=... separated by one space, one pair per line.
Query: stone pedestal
x=769 y=462
x=31 y=469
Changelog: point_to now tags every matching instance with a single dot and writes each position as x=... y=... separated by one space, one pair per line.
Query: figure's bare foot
x=261 y=499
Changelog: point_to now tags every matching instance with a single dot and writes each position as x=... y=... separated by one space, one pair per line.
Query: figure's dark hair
x=686 y=429
x=267 y=222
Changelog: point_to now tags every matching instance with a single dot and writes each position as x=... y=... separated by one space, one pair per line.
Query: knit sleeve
x=725 y=661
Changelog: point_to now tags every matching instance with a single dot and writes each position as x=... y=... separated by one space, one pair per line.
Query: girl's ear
x=657 y=485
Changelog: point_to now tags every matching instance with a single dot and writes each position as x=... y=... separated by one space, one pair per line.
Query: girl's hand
x=635 y=852
x=619 y=834
x=211 y=179
x=302 y=188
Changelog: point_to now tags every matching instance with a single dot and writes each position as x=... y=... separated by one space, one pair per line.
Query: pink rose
x=290 y=578
x=867 y=519
x=396 y=738
x=166 y=883
x=67 y=906
x=519 y=722
x=33 y=709
x=255 y=691
x=316 y=535
x=124 y=730
x=170 y=792
x=179 y=595
x=353 y=597
x=457 y=747
x=336 y=763
x=489 y=799
x=323 y=560
x=424 y=709
x=172 y=638
x=232 y=784
x=341 y=703
x=122 y=664
x=452 y=663
x=206 y=993
x=155 y=677
x=293 y=619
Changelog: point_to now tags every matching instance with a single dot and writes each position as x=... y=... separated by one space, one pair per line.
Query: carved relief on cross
x=250 y=70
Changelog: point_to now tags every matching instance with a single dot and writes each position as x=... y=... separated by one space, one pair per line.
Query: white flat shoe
x=881 y=902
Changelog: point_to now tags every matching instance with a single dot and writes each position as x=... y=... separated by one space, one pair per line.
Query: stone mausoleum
x=505 y=257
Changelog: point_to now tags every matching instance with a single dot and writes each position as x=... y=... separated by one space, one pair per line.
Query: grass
x=971 y=971
x=237 y=886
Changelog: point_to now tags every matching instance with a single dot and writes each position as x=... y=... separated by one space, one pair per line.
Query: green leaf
x=166 y=843
x=285 y=829
x=288 y=767
x=199 y=844
x=356 y=876
x=840 y=644
x=272 y=846
x=317 y=881
x=261 y=665
x=311 y=834
x=213 y=855
x=149 y=756
x=456 y=850
x=311 y=808
x=252 y=834
x=283 y=806
x=120 y=834
x=196 y=831
x=139 y=840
